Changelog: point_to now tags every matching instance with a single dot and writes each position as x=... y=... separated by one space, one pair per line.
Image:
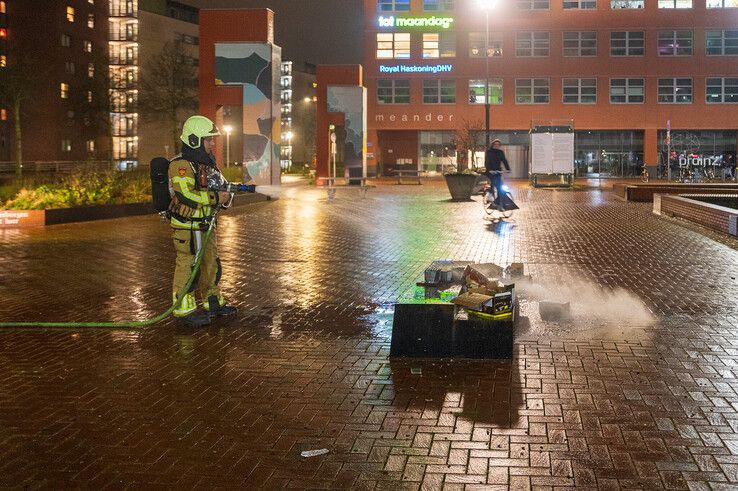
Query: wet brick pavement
x=637 y=391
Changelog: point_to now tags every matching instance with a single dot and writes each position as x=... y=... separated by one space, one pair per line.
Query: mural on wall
x=253 y=65
x=351 y=101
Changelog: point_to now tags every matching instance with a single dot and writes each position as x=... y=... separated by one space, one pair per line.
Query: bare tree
x=469 y=136
x=94 y=102
x=19 y=83
x=168 y=89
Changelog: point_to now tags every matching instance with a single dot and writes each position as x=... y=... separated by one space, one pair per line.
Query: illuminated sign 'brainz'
x=392 y=21
x=415 y=68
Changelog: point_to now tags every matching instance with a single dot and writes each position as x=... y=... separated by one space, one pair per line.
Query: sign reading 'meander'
x=392 y=21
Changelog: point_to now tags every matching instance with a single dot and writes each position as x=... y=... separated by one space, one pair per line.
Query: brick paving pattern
x=637 y=391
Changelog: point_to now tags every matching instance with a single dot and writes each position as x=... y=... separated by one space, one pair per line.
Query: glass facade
x=437 y=151
x=608 y=153
x=697 y=143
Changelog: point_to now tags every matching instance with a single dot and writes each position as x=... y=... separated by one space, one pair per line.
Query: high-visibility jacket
x=191 y=203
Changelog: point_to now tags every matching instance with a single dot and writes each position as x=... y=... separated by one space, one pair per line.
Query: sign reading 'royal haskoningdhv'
x=415 y=68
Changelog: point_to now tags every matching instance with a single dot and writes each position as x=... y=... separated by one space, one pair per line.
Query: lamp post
x=228 y=130
x=487 y=5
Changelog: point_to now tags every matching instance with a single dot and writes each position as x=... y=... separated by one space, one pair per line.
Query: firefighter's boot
x=216 y=307
x=195 y=319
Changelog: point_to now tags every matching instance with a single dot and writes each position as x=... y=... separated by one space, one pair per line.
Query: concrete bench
x=413 y=174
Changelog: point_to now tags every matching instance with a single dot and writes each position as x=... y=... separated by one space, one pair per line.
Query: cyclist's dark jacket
x=493 y=157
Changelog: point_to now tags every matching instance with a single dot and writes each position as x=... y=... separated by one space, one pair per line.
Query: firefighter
x=191 y=209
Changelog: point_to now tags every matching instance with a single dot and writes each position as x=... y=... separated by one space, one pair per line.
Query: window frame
x=591 y=5
x=440 y=82
x=722 y=4
x=532 y=41
x=628 y=47
x=70 y=14
x=395 y=42
x=441 y=45
x=625 y=4
x=723 y=85
x=532 y=5
x=64 y=91
x=675 y=4
x=442 y=5
x=674 y=89
x=494 y=47
x=393 y=90
x=723 y=46
x=492 y=81
x=393 y=4
x=532 y=87
x=579 y=86
x=627 y=86
x=674 y=39
x=579 y=47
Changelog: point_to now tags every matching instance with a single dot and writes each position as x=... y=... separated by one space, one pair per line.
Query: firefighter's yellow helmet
x=195 y=129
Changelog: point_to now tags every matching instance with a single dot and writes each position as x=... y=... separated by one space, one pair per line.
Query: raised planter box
x=644 y=192
x=689 y=207
x=35 y=218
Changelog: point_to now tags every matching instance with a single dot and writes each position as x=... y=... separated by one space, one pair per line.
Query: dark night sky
x=315 y=31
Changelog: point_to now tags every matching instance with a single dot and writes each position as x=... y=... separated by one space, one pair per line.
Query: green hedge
x=84 y=188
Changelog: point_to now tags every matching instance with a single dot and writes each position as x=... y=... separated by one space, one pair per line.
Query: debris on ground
x=314 y=453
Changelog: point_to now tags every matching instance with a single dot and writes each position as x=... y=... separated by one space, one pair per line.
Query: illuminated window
x=675 y=43
x=66 y=145
x=70 y=14
x=87 y=46
x=675 y=4
x=91 y=21
x=626 y=4
x=90 y=146
x=2 y=7
x=91 y=2
x=477 y=41
x=3 y=61
x=532 y=4
x=3 y=33
x=393 y=45
x=439 y=45
x=89 y=96
x=90 y=70
x=64 y=90
x=3 y=115
x=714 y=4
x=476 y=91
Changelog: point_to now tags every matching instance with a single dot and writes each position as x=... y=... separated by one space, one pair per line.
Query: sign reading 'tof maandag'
x=392 y=21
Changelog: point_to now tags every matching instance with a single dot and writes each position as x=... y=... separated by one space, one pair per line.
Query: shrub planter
x=460 y=185
x=34 y=218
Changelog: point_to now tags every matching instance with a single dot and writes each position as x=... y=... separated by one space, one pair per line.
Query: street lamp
x=228 y=130
x=486 y=5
